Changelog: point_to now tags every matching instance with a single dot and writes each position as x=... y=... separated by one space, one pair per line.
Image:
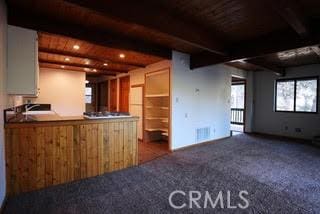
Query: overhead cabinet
x=23 y=67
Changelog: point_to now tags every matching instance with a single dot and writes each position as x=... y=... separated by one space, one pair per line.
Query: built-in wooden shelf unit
x=157 y=106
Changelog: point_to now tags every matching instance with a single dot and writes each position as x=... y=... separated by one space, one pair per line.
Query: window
x=297 y=95
x=88 y=94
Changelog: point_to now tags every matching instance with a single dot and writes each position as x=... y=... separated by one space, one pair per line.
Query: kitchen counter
x=48 y=149
x=42 y=119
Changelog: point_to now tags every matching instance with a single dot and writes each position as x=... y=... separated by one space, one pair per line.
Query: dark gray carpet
x=280 y=177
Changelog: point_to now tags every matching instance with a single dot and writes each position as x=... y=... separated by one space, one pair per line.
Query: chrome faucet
x=28 y=107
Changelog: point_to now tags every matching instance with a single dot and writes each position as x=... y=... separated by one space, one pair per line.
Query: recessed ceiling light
x=67 y=59
x=122 y=55
x=87 y=62
x=94 y=70
x=86 y=69
x=105 y=64
x=76 y=47
x=62 y=66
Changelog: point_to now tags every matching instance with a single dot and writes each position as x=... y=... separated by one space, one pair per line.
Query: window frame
x=89 y=95
x=295 y=93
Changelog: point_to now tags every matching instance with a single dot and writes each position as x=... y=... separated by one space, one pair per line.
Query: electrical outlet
x=298 y=130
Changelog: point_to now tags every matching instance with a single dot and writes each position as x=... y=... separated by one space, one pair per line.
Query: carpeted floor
x=280 y=177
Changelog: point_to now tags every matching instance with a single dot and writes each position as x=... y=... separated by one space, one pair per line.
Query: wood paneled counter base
x=44 y=154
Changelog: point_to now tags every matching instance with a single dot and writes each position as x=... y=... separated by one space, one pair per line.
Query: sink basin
x=38 y=112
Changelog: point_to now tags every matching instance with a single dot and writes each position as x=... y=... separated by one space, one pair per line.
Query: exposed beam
x=151 y=15
x=55 y=62
x=89 y=57
x=38 y=22
x=267 y=44
x=66 y=69
x=316 y=49
x=267 y=66
x=290 y=11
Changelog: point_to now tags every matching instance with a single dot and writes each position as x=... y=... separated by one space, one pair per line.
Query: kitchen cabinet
x=23 y=66
x=43 y=154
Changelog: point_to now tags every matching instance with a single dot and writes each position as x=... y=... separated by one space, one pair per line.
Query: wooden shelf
x=157 y=129
x=165 y=134
x=157 y=95
x=157 y=118
x=158 y=107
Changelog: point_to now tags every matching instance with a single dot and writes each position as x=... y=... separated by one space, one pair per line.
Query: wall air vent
x=202 y=134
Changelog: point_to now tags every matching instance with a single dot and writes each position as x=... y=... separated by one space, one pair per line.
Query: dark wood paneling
x=124 y=91
x=113 y=94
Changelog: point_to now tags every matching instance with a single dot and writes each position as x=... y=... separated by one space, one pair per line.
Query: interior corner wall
x=64 y=90
x=200 y=98
x=3 y=97
x=266 y=120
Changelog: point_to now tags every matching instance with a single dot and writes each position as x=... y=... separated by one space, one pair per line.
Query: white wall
x=208 y=107
x=3 y=66
x=64 y=90
x=270 y=122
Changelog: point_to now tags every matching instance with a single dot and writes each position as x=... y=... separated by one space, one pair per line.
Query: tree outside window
x=297 y=95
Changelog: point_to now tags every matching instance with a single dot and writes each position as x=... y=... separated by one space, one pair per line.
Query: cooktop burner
x=105 y=114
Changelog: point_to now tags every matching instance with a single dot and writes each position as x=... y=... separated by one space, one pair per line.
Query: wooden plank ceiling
x=72 y=54
x=249 y=34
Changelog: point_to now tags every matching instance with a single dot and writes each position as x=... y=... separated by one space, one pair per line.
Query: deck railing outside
x=237 y=116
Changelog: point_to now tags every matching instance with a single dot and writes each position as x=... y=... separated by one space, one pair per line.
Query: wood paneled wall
x=43 y=156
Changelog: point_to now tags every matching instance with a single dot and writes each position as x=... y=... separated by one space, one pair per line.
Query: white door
x=136 y=107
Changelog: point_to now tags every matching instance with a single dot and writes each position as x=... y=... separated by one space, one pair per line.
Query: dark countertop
x=41 y=118
x=48 y=118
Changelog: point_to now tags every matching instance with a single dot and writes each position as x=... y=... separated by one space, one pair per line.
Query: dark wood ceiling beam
x=40 y=22
x=316 y=49
x=89 y=57
x=55 y=62
x=150 y=15
x=267 y=66
x=268 y=44
x=69 y=69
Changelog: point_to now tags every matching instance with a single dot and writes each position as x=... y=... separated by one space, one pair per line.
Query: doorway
x=238 y=101
x=124 y=91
